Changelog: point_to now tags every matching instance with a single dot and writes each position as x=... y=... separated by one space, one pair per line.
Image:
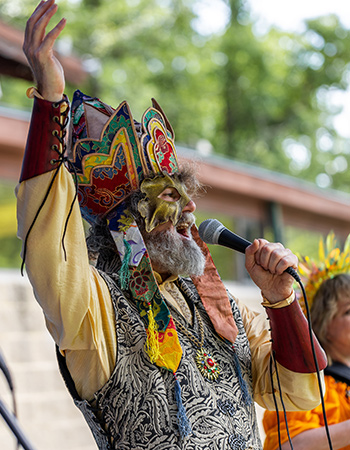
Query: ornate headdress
x=113 y=155
x=331 y=262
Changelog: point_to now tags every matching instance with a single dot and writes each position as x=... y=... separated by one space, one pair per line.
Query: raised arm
x=75 y=299
x=38 y=48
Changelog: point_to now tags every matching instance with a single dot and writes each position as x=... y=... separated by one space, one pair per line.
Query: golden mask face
x=165 y=199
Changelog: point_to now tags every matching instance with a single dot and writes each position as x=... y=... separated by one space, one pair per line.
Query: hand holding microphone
x=211 y=231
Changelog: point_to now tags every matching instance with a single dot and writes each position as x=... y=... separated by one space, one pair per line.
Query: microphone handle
x=231 y=240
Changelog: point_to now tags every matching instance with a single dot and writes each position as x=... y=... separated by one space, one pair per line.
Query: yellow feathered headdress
x=331 y=262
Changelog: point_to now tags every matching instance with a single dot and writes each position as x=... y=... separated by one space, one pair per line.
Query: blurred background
x=258 y=95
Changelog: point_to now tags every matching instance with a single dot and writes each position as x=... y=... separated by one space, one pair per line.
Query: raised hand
x=266 y=263
x=38 y=48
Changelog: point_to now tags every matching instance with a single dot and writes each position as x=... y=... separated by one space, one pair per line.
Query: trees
x=279 y=93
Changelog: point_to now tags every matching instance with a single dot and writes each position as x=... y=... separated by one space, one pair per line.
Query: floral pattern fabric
x=137 y=405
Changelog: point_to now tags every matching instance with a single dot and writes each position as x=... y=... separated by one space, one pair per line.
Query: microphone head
x=210 y=230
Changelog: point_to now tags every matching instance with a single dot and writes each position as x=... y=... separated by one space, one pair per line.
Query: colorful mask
x=156 y=210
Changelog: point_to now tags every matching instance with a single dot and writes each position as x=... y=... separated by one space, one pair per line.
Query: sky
x=288 y=16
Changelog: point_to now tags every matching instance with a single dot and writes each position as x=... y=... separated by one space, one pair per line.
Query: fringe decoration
x=124 y=273
x=185 y=428
x=152 y=342
x=244 y=388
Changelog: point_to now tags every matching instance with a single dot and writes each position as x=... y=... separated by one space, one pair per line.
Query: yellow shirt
x=77 y=305
x=337 y=404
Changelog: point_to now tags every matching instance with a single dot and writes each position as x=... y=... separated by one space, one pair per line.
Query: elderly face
x=167 y=211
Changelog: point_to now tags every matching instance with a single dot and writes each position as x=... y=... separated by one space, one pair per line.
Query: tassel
x=183 y=422
x=244 y=388
x=124 y=273
x=152 y=342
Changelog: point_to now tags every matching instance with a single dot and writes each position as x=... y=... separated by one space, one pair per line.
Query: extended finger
x=39 y=29
x=36 y=26
x=50 y=38
x=39 y=11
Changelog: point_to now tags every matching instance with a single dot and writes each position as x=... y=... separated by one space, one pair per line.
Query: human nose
x=190 y=207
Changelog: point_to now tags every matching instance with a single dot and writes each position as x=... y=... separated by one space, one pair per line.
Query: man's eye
x=170 y=195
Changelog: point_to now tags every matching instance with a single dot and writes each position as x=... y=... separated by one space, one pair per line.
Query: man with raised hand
x=155 y=352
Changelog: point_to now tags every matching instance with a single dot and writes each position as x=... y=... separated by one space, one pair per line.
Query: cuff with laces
x=290 y=336
x=45 y=142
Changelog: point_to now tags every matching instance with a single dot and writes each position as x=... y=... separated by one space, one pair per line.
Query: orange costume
x=337 y=403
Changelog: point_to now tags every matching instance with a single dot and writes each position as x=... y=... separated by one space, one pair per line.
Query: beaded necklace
x=206 y=364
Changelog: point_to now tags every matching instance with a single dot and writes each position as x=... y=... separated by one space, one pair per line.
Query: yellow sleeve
x=299 y=422
x=74 y=297
x=300 y=391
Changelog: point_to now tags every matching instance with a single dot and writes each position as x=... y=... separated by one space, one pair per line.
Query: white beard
x=171 y=253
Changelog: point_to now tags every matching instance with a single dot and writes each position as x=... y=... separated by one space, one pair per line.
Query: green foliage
x=275 y=88
x=14 y=93
x=10 y=252
x=225 y=259
x=10 y=245
x=303 y=243
x=262 y=100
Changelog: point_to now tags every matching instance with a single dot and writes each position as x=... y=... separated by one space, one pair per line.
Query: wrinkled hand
x=38 y=48
x=266 y=263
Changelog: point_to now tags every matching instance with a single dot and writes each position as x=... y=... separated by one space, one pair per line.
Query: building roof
x=244 y=190
x=233 y=188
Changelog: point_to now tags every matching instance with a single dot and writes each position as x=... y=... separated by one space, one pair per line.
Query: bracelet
x=33 y=92
x=281 y=304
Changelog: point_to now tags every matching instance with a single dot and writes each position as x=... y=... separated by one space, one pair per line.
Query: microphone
x=211 y=231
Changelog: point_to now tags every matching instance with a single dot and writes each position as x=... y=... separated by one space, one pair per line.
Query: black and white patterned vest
x=136 y=408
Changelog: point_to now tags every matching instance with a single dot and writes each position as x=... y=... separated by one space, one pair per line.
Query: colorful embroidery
x=158 y=143
x=108 y=168
x=144 y=289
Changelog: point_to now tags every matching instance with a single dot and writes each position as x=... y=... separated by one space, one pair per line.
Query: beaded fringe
x=183 y=422
x=244 y=388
